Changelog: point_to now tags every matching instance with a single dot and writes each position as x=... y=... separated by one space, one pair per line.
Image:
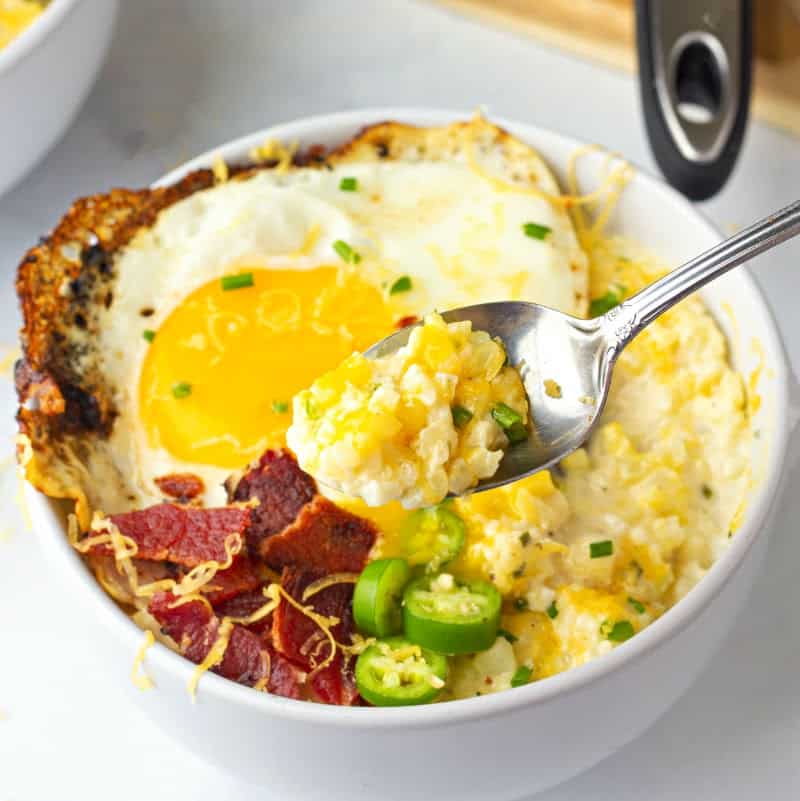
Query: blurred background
x=182 y=76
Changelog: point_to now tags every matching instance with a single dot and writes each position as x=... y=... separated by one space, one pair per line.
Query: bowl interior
x=650 y=213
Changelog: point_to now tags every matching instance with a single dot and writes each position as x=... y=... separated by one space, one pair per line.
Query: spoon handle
x=625 y=321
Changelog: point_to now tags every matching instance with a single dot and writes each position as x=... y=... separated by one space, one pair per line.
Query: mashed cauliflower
x=430 y=419
x=590 y=553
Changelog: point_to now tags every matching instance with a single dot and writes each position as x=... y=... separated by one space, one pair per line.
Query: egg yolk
x=218 y=378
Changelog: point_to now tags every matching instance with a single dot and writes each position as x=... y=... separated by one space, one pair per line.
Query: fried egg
x=229 y=296
x=324 y=262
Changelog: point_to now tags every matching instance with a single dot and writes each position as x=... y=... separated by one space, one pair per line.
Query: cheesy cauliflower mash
x=591 y=552
x=432 y=418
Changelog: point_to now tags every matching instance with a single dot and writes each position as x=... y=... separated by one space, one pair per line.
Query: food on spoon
x=167 y=330
x=431 y=419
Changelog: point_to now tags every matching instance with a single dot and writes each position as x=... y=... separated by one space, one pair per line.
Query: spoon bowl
x=563 y=362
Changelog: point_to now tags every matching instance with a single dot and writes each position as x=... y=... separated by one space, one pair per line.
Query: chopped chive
x=505 y=416
x=519 y=571
x=517 y=433
x=525 y=538
x=239 y=281
x=461 y=416
x=536 y=231
x=149 y=334
x=402 y=284
x=346 y=253
x=552 y=611
x=601 y=548
x=507 y=635
x=707 y=491
x=637 y=605
x=619 y=631
x=522 y=675
x=280 y=407
x=348 y=184
x=521 y=604
x=613 y=297
x=310 y=408
x=181 y=390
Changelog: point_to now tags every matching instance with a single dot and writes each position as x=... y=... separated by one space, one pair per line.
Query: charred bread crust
x=59 y=282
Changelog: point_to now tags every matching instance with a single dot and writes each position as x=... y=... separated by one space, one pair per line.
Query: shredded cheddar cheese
x=274 y=149
x=325 y=623
x=328 y=581
x=573 y=198
x=220 y=170
x=215 y=655
x=140 y=679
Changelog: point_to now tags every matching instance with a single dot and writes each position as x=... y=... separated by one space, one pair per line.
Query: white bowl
x=500 y=746
x=45 y=75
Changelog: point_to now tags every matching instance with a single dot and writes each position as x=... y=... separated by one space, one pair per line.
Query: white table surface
x=184 y=75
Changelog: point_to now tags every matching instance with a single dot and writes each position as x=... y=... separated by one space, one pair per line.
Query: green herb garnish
x=613 y=297
x=525 y=538
x=637 y=605
x=522 y=675
x=507 y=635
x=461 y=416
x=552 y=611
x=181 y=390
x=521 y=604
x=240 y=281
x=517 y=433
x=707 y=491
x=619 y=631
x=505 y=416
x=149 y=334
x=601 y=548
x=280 y=407
x=402 y=284
x=348 y=184
x=311 y=409
x=536 y=231
x=346 y=253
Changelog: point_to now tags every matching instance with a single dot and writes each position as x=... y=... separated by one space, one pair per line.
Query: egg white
x=458 y=236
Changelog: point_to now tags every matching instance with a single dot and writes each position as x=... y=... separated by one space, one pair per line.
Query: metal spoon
x=579 y=355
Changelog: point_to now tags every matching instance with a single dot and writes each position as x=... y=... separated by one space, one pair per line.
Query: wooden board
x=603 y=30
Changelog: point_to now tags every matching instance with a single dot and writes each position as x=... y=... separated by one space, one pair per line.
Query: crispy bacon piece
x=285 y=679
x=180 y=534
x=247 y=658
x=281 y=488
x=181 y=486
x=243 y=605
x=192 y=625
x=242 y=576
x=323 y=538
x=301 y=640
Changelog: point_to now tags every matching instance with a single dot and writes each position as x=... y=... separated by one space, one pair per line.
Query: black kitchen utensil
x=695 y=61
